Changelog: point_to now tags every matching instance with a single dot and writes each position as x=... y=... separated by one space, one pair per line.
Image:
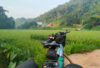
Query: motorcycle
x=55 y=54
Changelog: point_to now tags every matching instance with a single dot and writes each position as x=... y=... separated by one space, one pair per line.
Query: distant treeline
x=28 y=25
x=5 y=21
x=23 y=23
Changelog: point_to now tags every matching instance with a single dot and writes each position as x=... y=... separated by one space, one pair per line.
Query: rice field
x=26 y=44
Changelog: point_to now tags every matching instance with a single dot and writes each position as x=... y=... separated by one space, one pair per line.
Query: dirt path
x=87 y=60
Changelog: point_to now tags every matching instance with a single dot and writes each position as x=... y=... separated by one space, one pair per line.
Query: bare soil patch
x=87 y=60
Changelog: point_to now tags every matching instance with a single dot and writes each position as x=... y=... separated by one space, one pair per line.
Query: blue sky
x=29 y=8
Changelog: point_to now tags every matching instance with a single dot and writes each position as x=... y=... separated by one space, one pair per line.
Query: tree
x=2 y=11
x=28 y=25
x=5 y=21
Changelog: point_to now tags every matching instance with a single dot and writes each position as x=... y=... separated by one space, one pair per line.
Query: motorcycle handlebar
x=67 y=31
x=62 y=33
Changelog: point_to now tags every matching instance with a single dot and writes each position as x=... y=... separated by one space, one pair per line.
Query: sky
x=29 y=8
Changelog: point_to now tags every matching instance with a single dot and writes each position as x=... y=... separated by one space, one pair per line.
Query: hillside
x=23 y=23
x=74 y=12
x=20 y=21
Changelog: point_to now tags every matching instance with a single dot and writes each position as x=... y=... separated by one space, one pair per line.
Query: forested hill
x=85 y=12
x=20 y=21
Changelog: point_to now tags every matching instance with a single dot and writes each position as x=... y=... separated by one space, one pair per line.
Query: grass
x=96 y=28
x=26 y=43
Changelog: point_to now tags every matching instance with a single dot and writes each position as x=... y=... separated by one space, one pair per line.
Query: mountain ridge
x=72 y=12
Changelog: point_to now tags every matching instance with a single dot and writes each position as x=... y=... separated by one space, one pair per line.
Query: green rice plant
x=27 y=43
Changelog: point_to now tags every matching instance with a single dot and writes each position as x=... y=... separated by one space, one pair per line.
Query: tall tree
x=5 y=21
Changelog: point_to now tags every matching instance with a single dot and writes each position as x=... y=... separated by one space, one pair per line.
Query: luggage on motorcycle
x=28 y=64
x=51 y=54
x=60 y=39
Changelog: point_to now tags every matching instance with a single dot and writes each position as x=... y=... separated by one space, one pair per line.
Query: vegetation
x=6 y=22
x=72 y=14
x=94 y=21
x=96 y=28
x=20 y=21
x=83 y=12
x=23 y=23
x=28 y=25
x=17 y=46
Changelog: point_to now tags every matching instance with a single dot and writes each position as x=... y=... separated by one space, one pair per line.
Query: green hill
x=20 y=21
x=84 y=12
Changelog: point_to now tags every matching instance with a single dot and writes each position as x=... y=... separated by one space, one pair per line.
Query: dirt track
x=87 y=60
